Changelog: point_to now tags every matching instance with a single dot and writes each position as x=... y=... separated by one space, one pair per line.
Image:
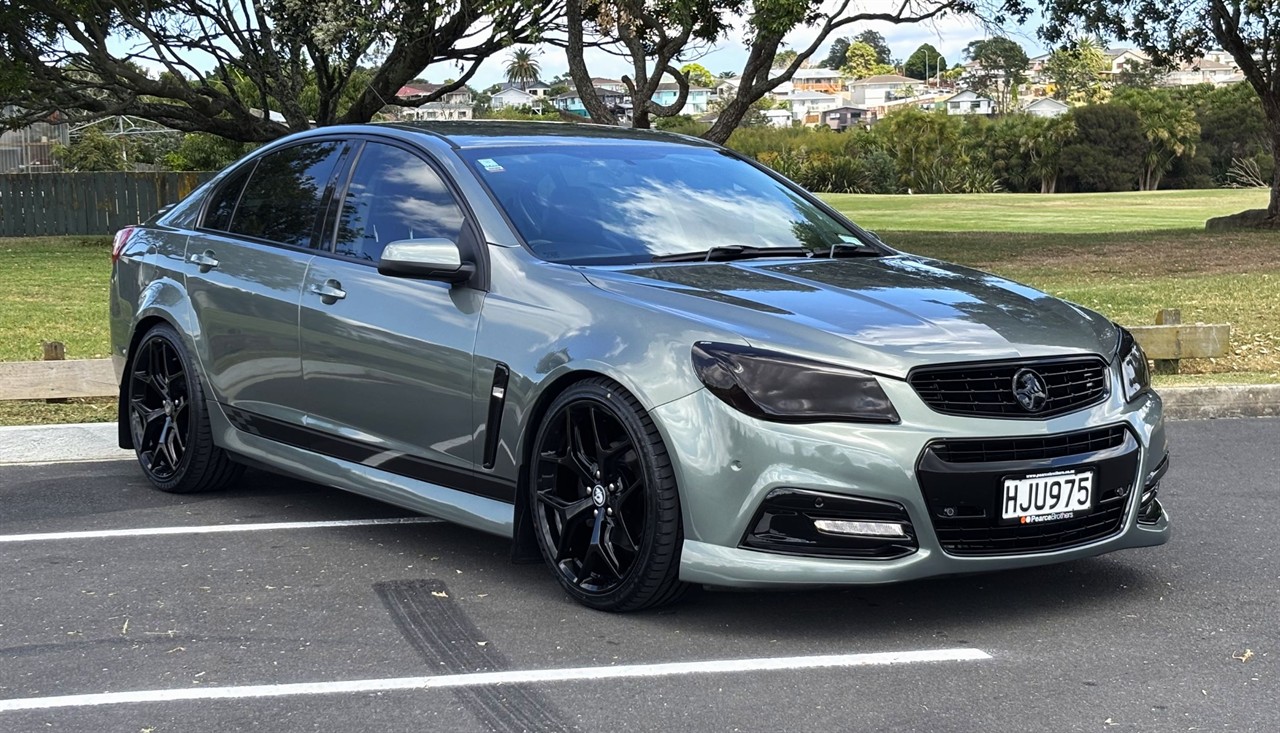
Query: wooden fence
x=56 y=204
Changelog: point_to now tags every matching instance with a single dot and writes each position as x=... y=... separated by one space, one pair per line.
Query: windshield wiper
x=846 y=249
x=726 y=252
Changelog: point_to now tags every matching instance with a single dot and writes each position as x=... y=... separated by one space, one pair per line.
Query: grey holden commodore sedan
x=645 y=359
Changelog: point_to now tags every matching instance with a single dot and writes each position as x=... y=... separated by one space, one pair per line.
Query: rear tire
x=604 y=501
x=167 y=418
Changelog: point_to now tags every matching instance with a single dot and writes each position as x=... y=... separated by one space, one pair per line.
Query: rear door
x=245 y=269
x=387 y=361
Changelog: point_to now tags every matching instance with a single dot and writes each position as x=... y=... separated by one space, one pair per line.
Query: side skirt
x=468 y=509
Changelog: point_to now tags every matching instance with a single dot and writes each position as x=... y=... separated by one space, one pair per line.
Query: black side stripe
x=402 y=464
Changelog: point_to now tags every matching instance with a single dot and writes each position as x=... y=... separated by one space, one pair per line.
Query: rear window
x=627 y=203
x=281 y=203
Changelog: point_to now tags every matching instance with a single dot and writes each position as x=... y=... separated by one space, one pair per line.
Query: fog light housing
x=822 y=524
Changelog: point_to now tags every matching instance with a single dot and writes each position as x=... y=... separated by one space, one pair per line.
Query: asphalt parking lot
x=285 y=606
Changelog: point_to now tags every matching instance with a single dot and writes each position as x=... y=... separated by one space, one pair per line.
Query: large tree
x=1170 y=30
x=924 y=63
x=1001 y=67
x=860 y=61
x=247 y=70
x=1169 y=126
x=1107 y=151
x=523 y=68
x=876 y=41
x=1076 y=71
x=837 y=55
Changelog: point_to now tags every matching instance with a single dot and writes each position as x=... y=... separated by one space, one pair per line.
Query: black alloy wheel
x=167 y=419
x=604 y=501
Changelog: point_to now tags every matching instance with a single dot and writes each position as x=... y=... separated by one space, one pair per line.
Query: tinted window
x=223 y=203
x=394 y=195
x=282 y=199
x=631 y=202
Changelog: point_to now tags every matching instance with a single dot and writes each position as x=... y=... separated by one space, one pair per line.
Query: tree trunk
x=1273 y=208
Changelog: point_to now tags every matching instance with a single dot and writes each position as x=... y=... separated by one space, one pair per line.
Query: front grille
x=961 y=482
x=990 y=450
x=987 y=389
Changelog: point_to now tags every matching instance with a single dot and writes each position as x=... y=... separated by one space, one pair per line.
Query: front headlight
x=1135 y=376
x=782 y=388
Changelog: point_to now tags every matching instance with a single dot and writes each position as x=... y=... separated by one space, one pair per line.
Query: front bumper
x=727 y=463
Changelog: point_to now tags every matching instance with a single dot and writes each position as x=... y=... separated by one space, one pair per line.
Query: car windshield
x=628 y=203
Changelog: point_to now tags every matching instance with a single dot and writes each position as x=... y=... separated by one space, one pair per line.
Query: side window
x=281 y=202
x=394 y=195
x=223 y=203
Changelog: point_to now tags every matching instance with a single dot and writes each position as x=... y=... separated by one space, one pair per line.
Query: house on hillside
x=613 y=85
x=571 y=102
x=516 y=97
x=1044 y=107
x=825 y=81
x=1202 y=71
x=807 y=107
x=842 y=118
x=727 y=88
x=696 y=103
x=876 y=90
x=456 y=105
x=969 y=102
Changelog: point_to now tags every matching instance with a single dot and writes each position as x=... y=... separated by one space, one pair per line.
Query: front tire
x=603 y=496
x=168 y=419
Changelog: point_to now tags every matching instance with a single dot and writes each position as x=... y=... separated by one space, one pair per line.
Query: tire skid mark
x=436 y=626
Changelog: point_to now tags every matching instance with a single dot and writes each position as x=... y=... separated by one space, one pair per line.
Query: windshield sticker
x=491 y=165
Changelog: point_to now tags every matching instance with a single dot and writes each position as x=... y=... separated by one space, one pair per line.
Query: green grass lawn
x=55 y=289
x=1125 y=255
x=1058 y=213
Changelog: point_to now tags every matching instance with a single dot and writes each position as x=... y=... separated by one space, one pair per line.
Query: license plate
x=1047 y=497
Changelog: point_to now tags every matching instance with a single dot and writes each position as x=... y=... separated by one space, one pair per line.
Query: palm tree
x=522 y=68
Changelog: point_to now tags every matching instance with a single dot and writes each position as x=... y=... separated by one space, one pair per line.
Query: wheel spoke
x=157 y=368
x=619 y=535
x=566 y=511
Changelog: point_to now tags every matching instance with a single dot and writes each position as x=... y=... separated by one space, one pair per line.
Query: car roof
x=504 y=133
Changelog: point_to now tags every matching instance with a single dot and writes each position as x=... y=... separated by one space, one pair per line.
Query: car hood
x=884 y=314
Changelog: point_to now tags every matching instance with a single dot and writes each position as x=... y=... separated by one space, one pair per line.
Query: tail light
x=117 y=245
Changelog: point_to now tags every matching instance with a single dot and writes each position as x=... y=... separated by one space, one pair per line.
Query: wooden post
x=54 y=351
x=1167 y=317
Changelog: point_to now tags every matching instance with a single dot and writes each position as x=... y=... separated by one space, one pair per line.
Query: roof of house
x=816 y=73
x=512 y=90
x=417 y=90
x=968 y=95
x=599 y=93
x=1045 y=102
x=525 y=85
x=885 y=79
x=1206 y=65
x=846 y=108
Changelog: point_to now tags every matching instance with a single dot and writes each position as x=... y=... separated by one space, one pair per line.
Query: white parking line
x=209 y=529
x=478 y=679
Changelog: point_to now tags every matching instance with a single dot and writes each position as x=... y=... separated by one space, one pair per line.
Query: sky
x=949 y=35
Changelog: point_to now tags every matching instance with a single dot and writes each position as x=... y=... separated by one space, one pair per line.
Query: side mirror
x=429 y=259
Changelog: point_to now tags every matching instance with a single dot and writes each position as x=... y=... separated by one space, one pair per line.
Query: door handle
x=330 y=292
x=205 y=260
